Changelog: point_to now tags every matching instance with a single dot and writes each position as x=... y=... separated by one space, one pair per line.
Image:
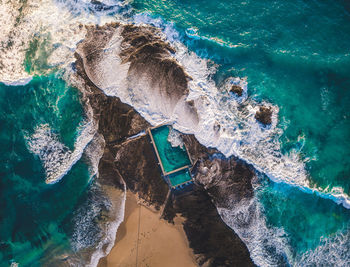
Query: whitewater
x=239 y=135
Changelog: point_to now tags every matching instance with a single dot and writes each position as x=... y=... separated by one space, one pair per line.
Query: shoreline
x=143 y=239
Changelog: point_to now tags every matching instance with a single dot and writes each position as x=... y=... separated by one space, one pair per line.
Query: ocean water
x=295 y=55
x=291 y=55
x=33 y=213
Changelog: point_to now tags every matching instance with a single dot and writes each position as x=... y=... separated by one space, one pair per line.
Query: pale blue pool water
x=180 y=177
x=172 y=157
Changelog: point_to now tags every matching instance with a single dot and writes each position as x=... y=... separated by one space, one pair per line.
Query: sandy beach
x=143 y=239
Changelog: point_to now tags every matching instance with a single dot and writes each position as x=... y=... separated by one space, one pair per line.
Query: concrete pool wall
x=175 y=162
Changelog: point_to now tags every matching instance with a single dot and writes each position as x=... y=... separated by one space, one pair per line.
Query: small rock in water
x=237 y=90
x=264 y=115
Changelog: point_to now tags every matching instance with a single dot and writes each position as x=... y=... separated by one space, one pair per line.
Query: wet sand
x=143 y=239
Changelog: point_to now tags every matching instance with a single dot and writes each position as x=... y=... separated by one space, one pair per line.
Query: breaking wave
x=57 y=159
x=61 y=27
x=269 y=246
x=239 y=133
x=94 y=236
x=333 y=251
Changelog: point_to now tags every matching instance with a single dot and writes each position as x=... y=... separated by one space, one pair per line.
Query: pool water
x=180 y=177
x=172 y=157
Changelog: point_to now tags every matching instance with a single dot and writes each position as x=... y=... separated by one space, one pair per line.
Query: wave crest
x=216 y=117
x=57 y=159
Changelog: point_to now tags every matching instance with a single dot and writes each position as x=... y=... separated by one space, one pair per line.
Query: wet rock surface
x=264 y=115
x=236 y=89
x=132 y=161
x=149 y=55
x=213 y=242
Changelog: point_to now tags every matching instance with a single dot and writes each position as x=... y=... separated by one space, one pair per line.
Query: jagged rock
x=108 y=174
x=264 y=115
x=217 y=127
x=236 y=89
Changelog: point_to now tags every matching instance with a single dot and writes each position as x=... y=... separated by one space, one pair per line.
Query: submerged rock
x=264 y=115
x=236 y=89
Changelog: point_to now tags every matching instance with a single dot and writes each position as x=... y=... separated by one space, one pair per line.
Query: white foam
x=86 y=233
x=94 y=151
x=19 y=82
x=239 y=135
x=175 y=139
x=248 y=221
x=57 y=159
x=142 y=133
x=332 y=251
x=57 y=22
x=269 y=246
x=107 y=243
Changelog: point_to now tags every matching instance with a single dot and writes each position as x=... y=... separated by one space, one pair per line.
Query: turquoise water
x=306 y=218
x=172 y=157
x=288 y=60
x=180 y=177
x=296 y=55
x=35 y=218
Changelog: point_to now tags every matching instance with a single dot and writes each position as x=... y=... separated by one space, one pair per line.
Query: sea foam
x=239 y=135
x=58 y=22
x=57 y=159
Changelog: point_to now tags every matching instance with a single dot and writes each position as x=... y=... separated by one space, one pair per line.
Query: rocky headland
x=129 y=159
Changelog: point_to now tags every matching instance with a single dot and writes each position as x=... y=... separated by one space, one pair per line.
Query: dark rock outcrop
x=213 y=242
x=236 y=89
x=264 y=115
x=138 y=165
x=221 y=177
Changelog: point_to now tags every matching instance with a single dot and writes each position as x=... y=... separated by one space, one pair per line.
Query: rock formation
x=131 y=160
x=264 y=115
x=236 y=89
